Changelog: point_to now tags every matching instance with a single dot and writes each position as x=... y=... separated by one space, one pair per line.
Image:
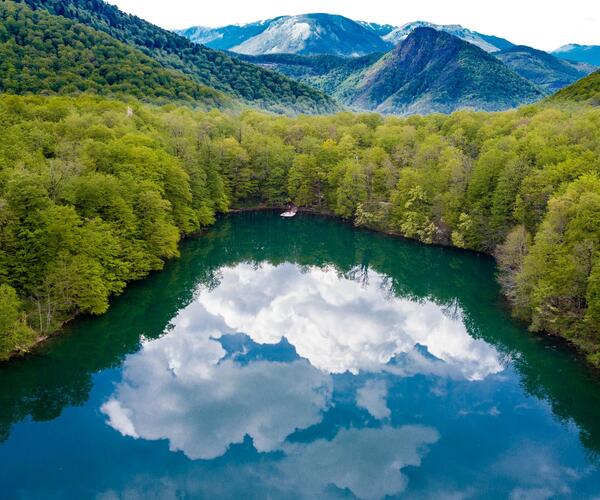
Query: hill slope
x=253 y=84
x=42 y=53
x=582 y=53
x=313 y=34
x=432 y=71
x=324 y=72
x=542 y=68
x=585 y=90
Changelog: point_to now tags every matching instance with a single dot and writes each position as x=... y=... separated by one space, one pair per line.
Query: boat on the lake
x=290 y=213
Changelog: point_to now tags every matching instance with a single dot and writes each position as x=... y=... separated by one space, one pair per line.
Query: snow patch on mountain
x=314 y=34
x=400 y=34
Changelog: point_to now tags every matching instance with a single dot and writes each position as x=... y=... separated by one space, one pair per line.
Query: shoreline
x=567 y=343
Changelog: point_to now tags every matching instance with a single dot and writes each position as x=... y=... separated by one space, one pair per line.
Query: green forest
x=249 y=83
x=96 y=192
x=40 y=53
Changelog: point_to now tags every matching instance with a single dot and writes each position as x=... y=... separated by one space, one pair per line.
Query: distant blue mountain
x=488 y=43
x=378 y=29
x=542 y=68
x=307 y=34
x=582 y=53
x=318 y=34
x=227 y=37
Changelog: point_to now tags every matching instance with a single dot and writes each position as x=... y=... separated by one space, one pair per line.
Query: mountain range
x=499 y=80
x=488 y=43
x=433 y=71
x=306 y=34
x=317 y=34
x=354 y=61
x=430 y=71
x=313 y=34
x=73 y=46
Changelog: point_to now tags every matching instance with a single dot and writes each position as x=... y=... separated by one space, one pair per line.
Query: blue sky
x=544 y=24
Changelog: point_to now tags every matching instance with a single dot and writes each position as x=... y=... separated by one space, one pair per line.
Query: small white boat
x=290 y=213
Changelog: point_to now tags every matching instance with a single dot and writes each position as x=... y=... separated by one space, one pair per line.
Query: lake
x=302 y=358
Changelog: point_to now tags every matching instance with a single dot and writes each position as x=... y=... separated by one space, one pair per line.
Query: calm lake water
x=302 y=358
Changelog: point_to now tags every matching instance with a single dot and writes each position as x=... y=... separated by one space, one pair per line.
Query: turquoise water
x=302 y=358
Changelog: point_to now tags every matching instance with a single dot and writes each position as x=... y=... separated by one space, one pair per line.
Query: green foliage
x=510 y=256
x=586 y=89
x=215 y=69
x=92 y=196
x=44 y=53
x=558 y=286
x=15 y=335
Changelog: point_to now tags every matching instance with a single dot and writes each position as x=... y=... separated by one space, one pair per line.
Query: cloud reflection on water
x=180 y=388
x=339 y=325
x=185 y=387
x=367 y=461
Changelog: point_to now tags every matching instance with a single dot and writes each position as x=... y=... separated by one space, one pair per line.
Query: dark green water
x=302 y=359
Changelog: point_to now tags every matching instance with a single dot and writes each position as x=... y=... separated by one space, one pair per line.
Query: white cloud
x=365 y=461
x=537 y=471
x=183 y=387
x=339 y=325
x=531 y=494
x=179 y=388
x=119 y=418
x=372 y=397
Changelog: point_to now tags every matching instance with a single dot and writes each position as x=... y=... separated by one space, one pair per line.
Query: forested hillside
x=41 y=53
x=92 y=196
x=325 y=72
x=257 y=86
x=433 y=71
x=430 y=71
x=542 y=68
x=585 y=90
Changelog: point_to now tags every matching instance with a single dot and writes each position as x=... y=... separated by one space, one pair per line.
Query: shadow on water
x=59 y=374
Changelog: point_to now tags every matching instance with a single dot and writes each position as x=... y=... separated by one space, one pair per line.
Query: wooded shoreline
x=40 y=342
x=95 y=195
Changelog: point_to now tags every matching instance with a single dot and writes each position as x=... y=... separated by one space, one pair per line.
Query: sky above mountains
x=544 y=24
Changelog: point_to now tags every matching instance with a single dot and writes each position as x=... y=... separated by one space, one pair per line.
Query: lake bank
x=579 y=348
x=419 y=345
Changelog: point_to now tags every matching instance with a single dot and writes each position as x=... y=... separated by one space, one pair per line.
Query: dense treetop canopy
x=585 y=90
x=218 y=70
x=93 y=195
x=41 y=53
